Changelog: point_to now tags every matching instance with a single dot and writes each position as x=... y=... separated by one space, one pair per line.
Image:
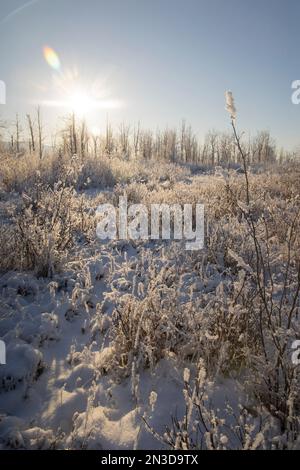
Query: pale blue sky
x=164 y=59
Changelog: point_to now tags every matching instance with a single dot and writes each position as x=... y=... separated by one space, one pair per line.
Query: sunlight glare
x=81 y=103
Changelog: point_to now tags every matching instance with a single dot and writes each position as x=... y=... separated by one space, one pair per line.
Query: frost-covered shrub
x=146 y=330
x=40 y=329
x=211 y=423
x=29 y=171
x=14 y=435
x=45 y=229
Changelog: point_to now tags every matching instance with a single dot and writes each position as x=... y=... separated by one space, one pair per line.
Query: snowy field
x=142 y=344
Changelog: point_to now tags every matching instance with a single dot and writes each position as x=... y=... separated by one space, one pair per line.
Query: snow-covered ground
x=56 y=389
x=107 y=352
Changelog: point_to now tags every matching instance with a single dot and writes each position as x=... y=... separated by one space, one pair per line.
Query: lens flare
x=51 y=57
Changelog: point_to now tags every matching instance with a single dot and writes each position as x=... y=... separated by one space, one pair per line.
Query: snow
x=59 y=379
x=81 y=374
x=23 y=366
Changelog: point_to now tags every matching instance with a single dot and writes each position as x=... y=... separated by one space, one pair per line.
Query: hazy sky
x=163 y=60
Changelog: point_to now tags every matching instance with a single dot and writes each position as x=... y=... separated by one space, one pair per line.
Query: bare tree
x=18 y=131
x=263 y=148
x=124 y=140
x=95 y=139
x=31 y=131
x=212 y=145
x=40 y=133
x=83 y=139
x=109 y=139
x=136 y=139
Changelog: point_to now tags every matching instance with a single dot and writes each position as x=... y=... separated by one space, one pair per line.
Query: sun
x=81 y=103
x=82 y=99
